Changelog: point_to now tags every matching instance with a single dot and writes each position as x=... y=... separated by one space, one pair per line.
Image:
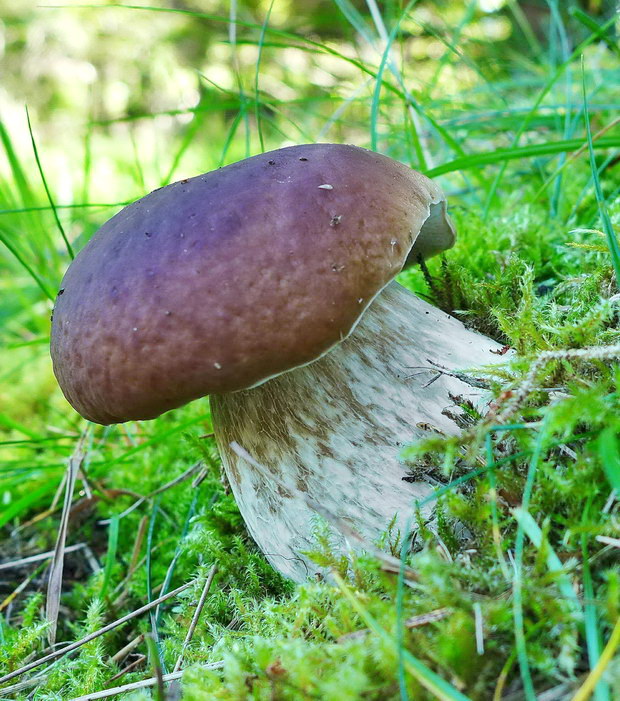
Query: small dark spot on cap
x=61 y=290
x=303 y=158
x=271 y=163
x=336 y=220
x=185 y=180
x=167 y=312
x=148 y=234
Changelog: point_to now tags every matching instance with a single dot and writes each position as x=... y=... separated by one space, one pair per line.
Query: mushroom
x=268 y=285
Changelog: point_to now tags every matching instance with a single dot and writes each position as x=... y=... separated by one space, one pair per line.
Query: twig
x=127 y=669
x=74 y=646
x=426 y=618
x=196 y=616
x=82 y=476
x=36 y=558
x=140 y=685
x=199 y=479
x=462 y=376
x=25 y=684
x=528 y=385
x=124 y=651
x=137 y=546
x=414 y=622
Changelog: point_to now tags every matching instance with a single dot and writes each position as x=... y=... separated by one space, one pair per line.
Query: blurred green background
x=123 y=81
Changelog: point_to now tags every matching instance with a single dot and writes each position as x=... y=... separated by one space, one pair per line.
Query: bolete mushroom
x=268 y=285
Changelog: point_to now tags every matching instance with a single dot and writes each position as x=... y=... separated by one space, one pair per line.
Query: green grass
x=520 y=133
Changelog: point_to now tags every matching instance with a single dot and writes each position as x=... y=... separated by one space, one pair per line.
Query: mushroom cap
x=222 y=281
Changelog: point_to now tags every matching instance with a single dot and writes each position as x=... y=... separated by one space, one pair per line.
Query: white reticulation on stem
x=327 y=436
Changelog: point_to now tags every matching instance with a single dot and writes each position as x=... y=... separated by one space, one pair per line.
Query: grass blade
x=437 y=686
x=501 y=155
x=517 y=583
x=593 y=638
x=612 y=241
x=592 y=679
x=554 y=564
x=261 y=41
x=374 y=109
x=534 y=110
x=110 y=554
x=47 y=190
x=22 y=261
x=607 y=445
x=149 y=581
x=597 y=29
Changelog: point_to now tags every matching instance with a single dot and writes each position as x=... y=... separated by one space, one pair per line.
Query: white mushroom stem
x=330 y=433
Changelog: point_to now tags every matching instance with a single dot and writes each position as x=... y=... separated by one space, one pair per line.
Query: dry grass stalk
x=608 y=541
x=422 y=619
x=127 y=669
x=426 y=618
x=196 y=617
x=54 y=586
x=25 y=684
x=139 y=685
x=13 y=564
x=479 y=628
x=18 y=590
x=124 y=651
x=74 y=646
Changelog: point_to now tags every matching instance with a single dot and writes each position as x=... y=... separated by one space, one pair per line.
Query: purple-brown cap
x=222 y=281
